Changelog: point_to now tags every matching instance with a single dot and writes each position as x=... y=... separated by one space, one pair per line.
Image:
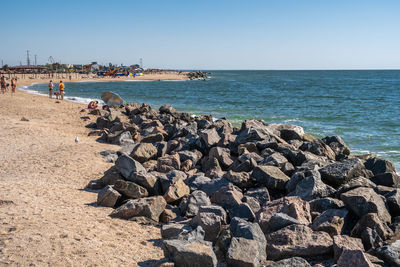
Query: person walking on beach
x=61 y=86
x=13 y=85
x=51 y=89
x=3 y=84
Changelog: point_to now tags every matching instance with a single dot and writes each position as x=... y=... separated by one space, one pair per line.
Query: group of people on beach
x=4 y=85
x=60 y=93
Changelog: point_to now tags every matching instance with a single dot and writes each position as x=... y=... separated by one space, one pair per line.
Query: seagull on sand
x=76 y=139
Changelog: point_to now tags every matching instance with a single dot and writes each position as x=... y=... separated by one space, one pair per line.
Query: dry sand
x=46 y=218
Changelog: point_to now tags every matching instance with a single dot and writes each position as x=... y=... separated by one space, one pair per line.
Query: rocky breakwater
x=259 y=195
x=197 y=75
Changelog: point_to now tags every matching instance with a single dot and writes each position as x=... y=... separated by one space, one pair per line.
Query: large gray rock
x=319 y=148
x=243 y=252
x=194 y=156
x=322 y=204
x=387 y=179
x=354 y=258
x=150 y=207
x=295 y=207
x=222 y=155
x=261 y=194
x=354 y=183
x=337 y=144
x=378 y=165
x=330 y=221
x=341 y=172
x=291 y=262
x=228 y=197
x=288 y=131
x=144 y=152
x=210 y=137
x=189 y=254
x=176 y=190
x=311 y=188
x=148 y=181
x=128 y=166
x=390 y=253
x=344 y=242
x=270 y=176
x=279 y=221
x=190 y=206
x=168 y=163
x=372 y=221
x=298 y=241
x=107 y=197
x=254 y=134
x=240 y=228
x=393 y=201
x=211 y=218
x=241 y=179
x=364 y=200
x=131 y=190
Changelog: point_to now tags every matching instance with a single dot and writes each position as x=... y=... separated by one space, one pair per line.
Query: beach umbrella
x=111 y=99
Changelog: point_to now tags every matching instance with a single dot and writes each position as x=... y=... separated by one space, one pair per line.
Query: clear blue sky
x=269 y=34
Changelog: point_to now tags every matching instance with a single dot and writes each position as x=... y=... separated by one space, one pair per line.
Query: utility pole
x=28 y=61
x=141 y=63
x=35 y=60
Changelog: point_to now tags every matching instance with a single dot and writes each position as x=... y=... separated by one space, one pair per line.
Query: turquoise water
x=363 y=107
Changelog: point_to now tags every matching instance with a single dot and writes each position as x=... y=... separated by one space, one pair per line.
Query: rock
x=344 y=242
x=379 y=166
x=170 y=213
x=131 y=190
x=322 y=204
x=189 y=254
x=364 y=200
x=128 y=166
x=330 y=221
x=243 y=210
x=148 y=181
x=353 y=258
x=228 y=197
x=168 y=109
x=288 y=131
x=372 y=221
x=311 y=188
x=194 y=156
x=295 y=207
x=383 y=190
x=337 y=145
x=107 y=197
x=243 y=252
x=279 y=221
x=194 y=201
x=319 y=148
x=354 y=183
x=339 y=173
x=168 y=163
x=390 y=253
x=252 y=202
x=270 y=176
x=211 y=219
x=176 y=191
x=275 y=159
x=371 y=239
x=150 y=207
x=175 y=230
x=254 y=134
x=240 y=228
x=153 y=138
x=387 y=179
x=210 y=137
x=240 y=179
x=291 y=262
x=393 y=201
x=222 y=155
x=144 y=152
x=261 y=194
x=298 y=240
x=205 y=184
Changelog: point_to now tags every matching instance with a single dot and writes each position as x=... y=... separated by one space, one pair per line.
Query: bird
x=76 y=139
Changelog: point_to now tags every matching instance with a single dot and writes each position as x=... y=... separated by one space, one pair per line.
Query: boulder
x=295 y=207
x=189 y=254
x=371 y=239
x=125 y=138
x=167 y=109
x=387 y=179
x=345 y=242
x=298 y=241
x=393 y=201
x=209 y=137
x=190 y=206
x=131 y=190
x=351 y=257
x=372 y=221
x=254 y=134
x=144 y=152
x=176 y=190
x=270 y=176
x=319 y=148
x=153 y=138
x=364 y=200
x=228 y=197
x=150 y=207
x=240 y=228
x=222 y=155
x=355 y=183
x=291 y=262
x=390 y=253
x=311 y=188
x=168 y=163
x=279 y=221
x=194 y=156
x=288 y=131
x=170 y=213
x=240 y=179
x=211 y=219
x=322 y=204
x=243 y=252
x=330 y=221
x=379 y=166
x=243 y=210
x=338 y=146
x=107 y=197
x=261 y=194
x=128 y=166
x=149 y=181
x=339 y=173
x=252 y=202
x=175 y=230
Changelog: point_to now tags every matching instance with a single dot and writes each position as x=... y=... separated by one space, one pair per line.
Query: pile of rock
x=261 y=195
x=197 y=75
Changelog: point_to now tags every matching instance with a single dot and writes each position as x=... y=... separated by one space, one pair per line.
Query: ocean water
x=363 y=107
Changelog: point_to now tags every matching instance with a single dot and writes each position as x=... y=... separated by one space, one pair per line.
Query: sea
x=361 y=106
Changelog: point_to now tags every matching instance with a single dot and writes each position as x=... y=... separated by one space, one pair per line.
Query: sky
x=207 y=35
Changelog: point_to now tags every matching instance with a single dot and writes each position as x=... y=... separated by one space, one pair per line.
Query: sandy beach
x=47 y=218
